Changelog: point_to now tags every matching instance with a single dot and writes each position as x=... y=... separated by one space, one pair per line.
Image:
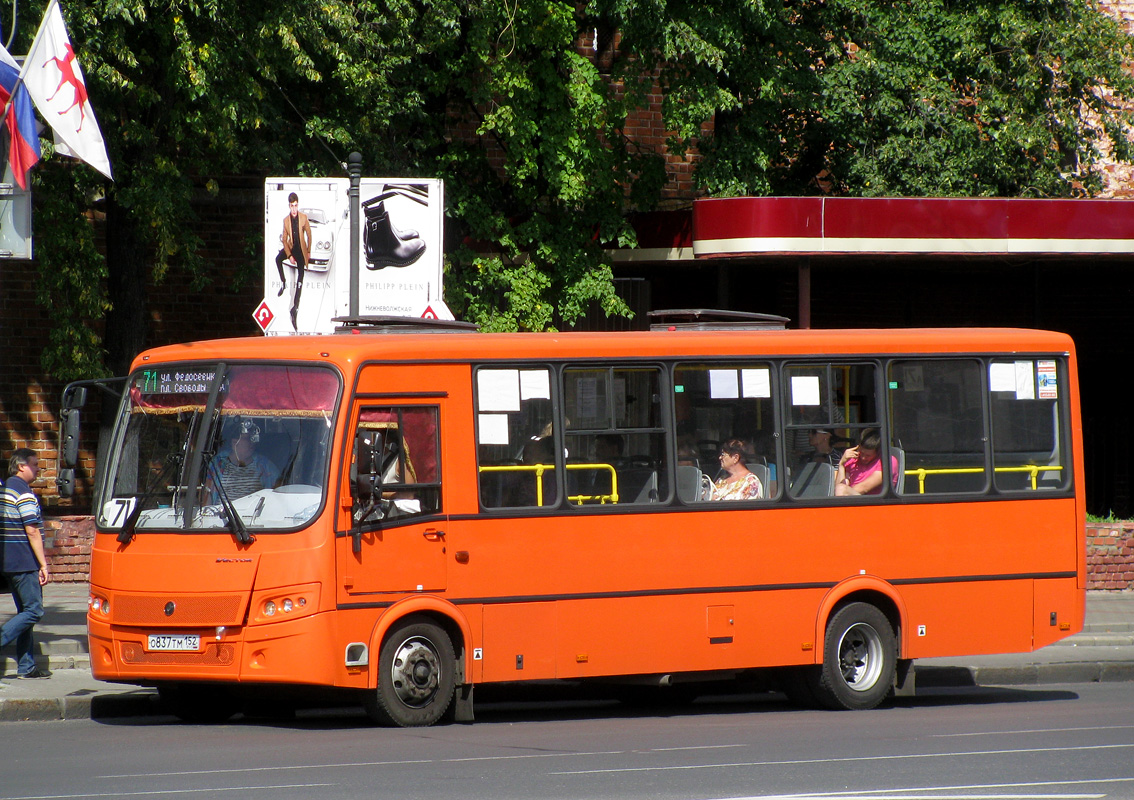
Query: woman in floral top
x=738 y=483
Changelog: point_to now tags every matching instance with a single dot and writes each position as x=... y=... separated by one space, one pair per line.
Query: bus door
x=396 y=537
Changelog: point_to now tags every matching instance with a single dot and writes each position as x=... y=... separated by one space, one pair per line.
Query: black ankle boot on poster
x=385 y=245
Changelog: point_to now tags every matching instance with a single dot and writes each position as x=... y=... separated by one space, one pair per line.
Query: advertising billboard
x=307 y=252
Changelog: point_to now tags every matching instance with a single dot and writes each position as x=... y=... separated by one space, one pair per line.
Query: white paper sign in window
x=1025 y=380
x=723 y=384
x=492 y=428
x=805 y=390
x=757 y=382
x=498 y=390
x=534 y=384
x=1002 y=377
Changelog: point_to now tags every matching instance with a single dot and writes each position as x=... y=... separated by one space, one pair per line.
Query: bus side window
x=396 y=469
x=616 y=438
x=937 y=420
x=828 y=407
x=718 y=404
x=517 y=450
x=1027 y=429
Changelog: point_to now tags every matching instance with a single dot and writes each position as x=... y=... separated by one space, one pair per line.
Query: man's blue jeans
x=28 y=595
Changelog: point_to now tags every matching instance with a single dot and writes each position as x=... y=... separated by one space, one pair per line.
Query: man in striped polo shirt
x=22 y=559
x=239 y=469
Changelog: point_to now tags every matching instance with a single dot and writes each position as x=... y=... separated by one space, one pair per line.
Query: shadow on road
x=510 y=704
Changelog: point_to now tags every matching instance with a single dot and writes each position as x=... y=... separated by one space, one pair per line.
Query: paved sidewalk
x=1104 y=651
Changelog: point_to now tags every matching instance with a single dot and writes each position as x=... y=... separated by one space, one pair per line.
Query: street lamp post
x=354 y=170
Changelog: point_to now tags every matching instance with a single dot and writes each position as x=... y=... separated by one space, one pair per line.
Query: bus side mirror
x=364 y=479
x=65 y=482
x=364 y=482
x=69 y=437
x=74 y=398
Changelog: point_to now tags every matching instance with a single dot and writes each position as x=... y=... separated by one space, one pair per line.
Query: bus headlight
x=99 y=605
x=277 y=605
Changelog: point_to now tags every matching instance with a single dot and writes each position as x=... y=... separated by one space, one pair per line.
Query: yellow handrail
x=1032 y=469
x=539 y=469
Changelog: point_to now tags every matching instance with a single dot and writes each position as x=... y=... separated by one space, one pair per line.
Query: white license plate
x=162 y=641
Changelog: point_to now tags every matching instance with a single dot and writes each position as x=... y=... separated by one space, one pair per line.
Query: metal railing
x=579 y=499
x=1032 y=470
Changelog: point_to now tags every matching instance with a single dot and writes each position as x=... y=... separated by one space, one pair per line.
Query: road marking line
x=887 y=794
x=171 y=791
x=948 y=797
x=848 y=760
x=412 y=761
x=1033 y=730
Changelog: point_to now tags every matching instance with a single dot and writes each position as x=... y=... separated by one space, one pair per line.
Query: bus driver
x=239 y=468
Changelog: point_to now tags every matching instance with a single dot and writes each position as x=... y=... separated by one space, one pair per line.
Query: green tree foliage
x=928 y=98
x=921 y=97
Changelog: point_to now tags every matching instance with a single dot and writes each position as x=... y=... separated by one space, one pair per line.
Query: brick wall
x=67 y=545
x=1110 y=555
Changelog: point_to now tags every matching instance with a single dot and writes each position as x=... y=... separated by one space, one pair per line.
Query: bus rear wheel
x=416 y=676
x=859 y=658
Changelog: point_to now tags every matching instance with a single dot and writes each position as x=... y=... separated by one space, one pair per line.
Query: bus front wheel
x=416 y=676
x=859 y=658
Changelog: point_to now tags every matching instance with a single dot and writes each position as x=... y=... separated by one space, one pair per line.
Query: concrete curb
x=45 y=709
x=112 y=705
x=1025 y=674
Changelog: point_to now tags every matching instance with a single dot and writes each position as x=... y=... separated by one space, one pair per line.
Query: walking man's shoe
x=35 y=672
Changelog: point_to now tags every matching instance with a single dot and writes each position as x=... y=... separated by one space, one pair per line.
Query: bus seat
x=760 y=470
x=692 y=485
x=815 y=479
x=639 y=483
x=1049 y=479
x=649 y=492
x=899 y=477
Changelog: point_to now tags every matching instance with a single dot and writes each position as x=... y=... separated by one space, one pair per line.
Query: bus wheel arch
x=871 y=591
x=419 y=677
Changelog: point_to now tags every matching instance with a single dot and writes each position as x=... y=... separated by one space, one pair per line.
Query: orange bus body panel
x=594 y=593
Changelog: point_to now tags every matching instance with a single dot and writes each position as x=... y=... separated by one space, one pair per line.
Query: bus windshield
x=198 y=444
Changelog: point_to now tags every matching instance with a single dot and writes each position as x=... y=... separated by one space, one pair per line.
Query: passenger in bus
x=860 y=468
x=822 y=450
x=239 y=469
x=738 y=482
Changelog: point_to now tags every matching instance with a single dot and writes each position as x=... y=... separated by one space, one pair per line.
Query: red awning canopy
x=861 y=225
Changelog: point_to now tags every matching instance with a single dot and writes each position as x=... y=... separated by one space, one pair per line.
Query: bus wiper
x=126 y=535
x=239 y=530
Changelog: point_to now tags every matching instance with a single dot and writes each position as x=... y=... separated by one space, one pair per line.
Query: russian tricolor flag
x=19 y=118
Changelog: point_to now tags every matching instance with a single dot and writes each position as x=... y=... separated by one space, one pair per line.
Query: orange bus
x=408 y=514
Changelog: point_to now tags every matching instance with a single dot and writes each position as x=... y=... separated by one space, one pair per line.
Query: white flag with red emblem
x=55 y=82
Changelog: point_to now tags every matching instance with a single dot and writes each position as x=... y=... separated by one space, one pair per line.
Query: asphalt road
x=1064 y=741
